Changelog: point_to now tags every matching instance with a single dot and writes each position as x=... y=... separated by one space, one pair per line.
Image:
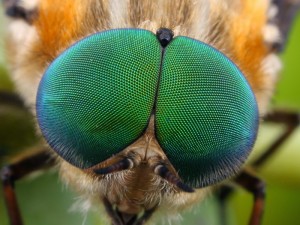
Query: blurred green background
x=45 y=200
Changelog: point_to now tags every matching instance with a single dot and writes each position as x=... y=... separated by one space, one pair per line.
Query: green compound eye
x=206 y=113
x=97 y=97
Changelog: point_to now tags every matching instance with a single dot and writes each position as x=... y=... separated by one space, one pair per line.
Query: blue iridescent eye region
x=97 y=97
x=212 y=106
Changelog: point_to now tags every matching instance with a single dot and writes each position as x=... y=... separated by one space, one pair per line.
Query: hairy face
x=142 y=174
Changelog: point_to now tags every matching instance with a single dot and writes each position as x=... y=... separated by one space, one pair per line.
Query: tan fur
x=137 y=189
x=237 y=28
x=214 y=22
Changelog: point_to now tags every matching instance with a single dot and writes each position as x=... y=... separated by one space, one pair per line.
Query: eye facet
x=96 y=98
x=206 y=113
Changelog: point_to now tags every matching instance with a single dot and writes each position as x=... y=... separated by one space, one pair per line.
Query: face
x=144 y=104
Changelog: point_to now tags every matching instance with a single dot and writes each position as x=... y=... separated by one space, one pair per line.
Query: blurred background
x=45 y=200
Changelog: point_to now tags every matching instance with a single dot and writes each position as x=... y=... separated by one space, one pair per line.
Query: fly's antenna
x=163 y=171
x=123 y=164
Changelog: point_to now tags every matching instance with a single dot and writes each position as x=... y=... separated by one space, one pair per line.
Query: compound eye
x=206 y=113
x=96 y=97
